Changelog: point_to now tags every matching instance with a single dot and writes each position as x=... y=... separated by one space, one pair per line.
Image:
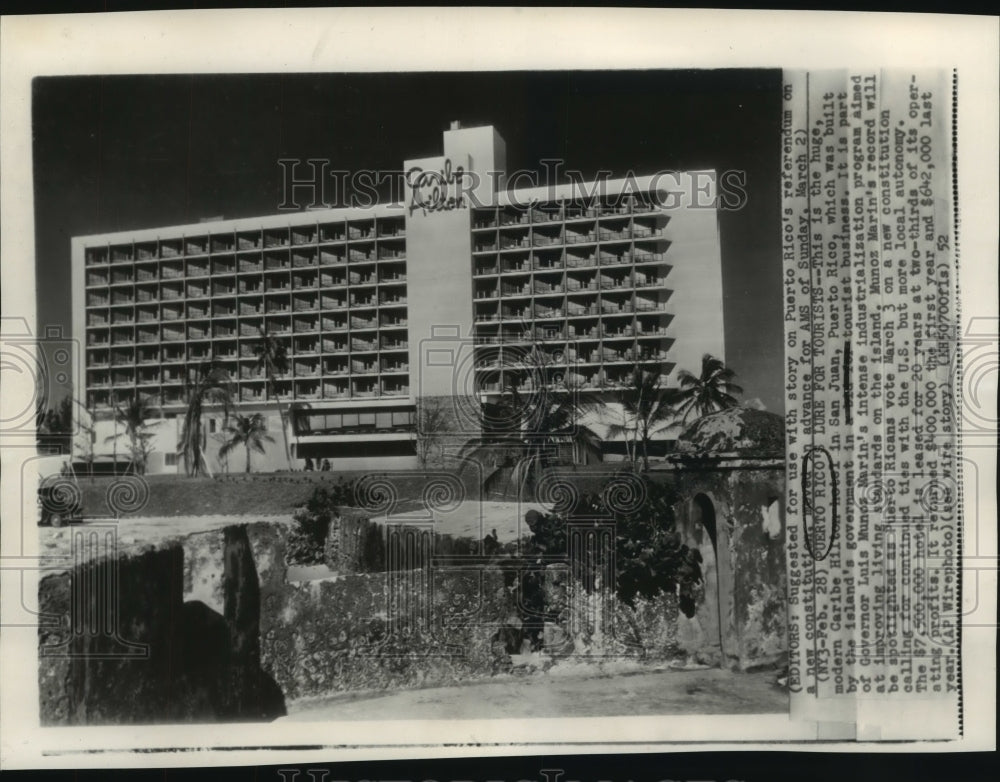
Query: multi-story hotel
x=381 y=306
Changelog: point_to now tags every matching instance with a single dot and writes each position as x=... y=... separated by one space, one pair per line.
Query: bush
x=650 y=558
x=307 y=539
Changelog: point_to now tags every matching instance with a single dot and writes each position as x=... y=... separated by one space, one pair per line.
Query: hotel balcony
x=307 y=345
x=276 y=283
x=146 y=274
x=174 y=353
x=394 y=388
x=225 y=308
x=171 y=248
x=304 y=259
x=361 y=255
x=308 y=390
x=364 y=388
x=197 y=268
x=391 y=320
x=304 y=279
x=360 y=230
x=148 y=356
x=335 y=390
x=93 y=256
x=250 y=264
x=363 y=323
x=335 y=367
x=335 y=346
x=223 y=331
x=122 y=254
x=276 y=237
x=250 y=285
x=302 y=369
x=122 y=337
x=278 y=306
x=392 y=274
x=332 y=280
x=391 y=227
x=332 y=232
x=97 y=278
x=392 y=365
x=357 y=278
x=394 y=343
x=334 y=323
x=392 y=296
x=332 y=255
x=304 y=235
x=363 y=300
x=148 y=335
x=363 y=344
x=197 y=290
x=391 y=254
x=249 y=240
x=364 y=367
x=277 y=261
x=580 y=261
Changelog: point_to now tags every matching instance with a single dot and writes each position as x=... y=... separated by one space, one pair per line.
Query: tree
x=54 y=426
x=432 y=423
x=250 y=431
x=87 y=437
x=648 y=409
x=208 y=384
x=542 y=418
x=133 y=417
x=707 y=393
x=272 y=358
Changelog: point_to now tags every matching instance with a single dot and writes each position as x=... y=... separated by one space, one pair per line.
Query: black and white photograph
x=605 y=404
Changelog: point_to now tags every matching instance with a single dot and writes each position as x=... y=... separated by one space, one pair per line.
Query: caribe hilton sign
x=436 y=191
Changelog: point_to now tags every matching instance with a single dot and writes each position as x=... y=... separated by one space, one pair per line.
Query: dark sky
x=119 y=153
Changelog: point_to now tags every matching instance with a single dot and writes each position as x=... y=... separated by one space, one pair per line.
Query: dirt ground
x=632 y=693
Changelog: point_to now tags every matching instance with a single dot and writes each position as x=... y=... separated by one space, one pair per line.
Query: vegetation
x=649 y=556
x=648 y=409
x=132 y=418
x=248 y=431
x=432 y=423
x=272 y=358
x=307 y=539
x=713 y=390
x=540 y=420
x=208 y=384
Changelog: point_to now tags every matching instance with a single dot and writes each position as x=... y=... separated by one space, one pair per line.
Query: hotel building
x=378 y=307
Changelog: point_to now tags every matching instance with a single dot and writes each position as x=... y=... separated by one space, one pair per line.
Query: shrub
x=650 y=558
x=307 y=539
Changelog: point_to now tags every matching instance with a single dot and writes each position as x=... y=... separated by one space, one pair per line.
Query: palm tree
x=209 y=385
x=250 y=431
x=710 y=392
x=272 y=357
x=648 y=407
x=543 y=420
x=132 y=418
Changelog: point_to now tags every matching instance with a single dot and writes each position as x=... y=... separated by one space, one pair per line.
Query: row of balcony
x=601 y=380
x=253 y=392
x=388 y=290
x=561 y=260
x=490 y=242
x=557 y=211
x=570 y=285
x=229 y=242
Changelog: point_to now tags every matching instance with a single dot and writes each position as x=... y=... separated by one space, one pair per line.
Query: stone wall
x=129 y=648
x=749 y=619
